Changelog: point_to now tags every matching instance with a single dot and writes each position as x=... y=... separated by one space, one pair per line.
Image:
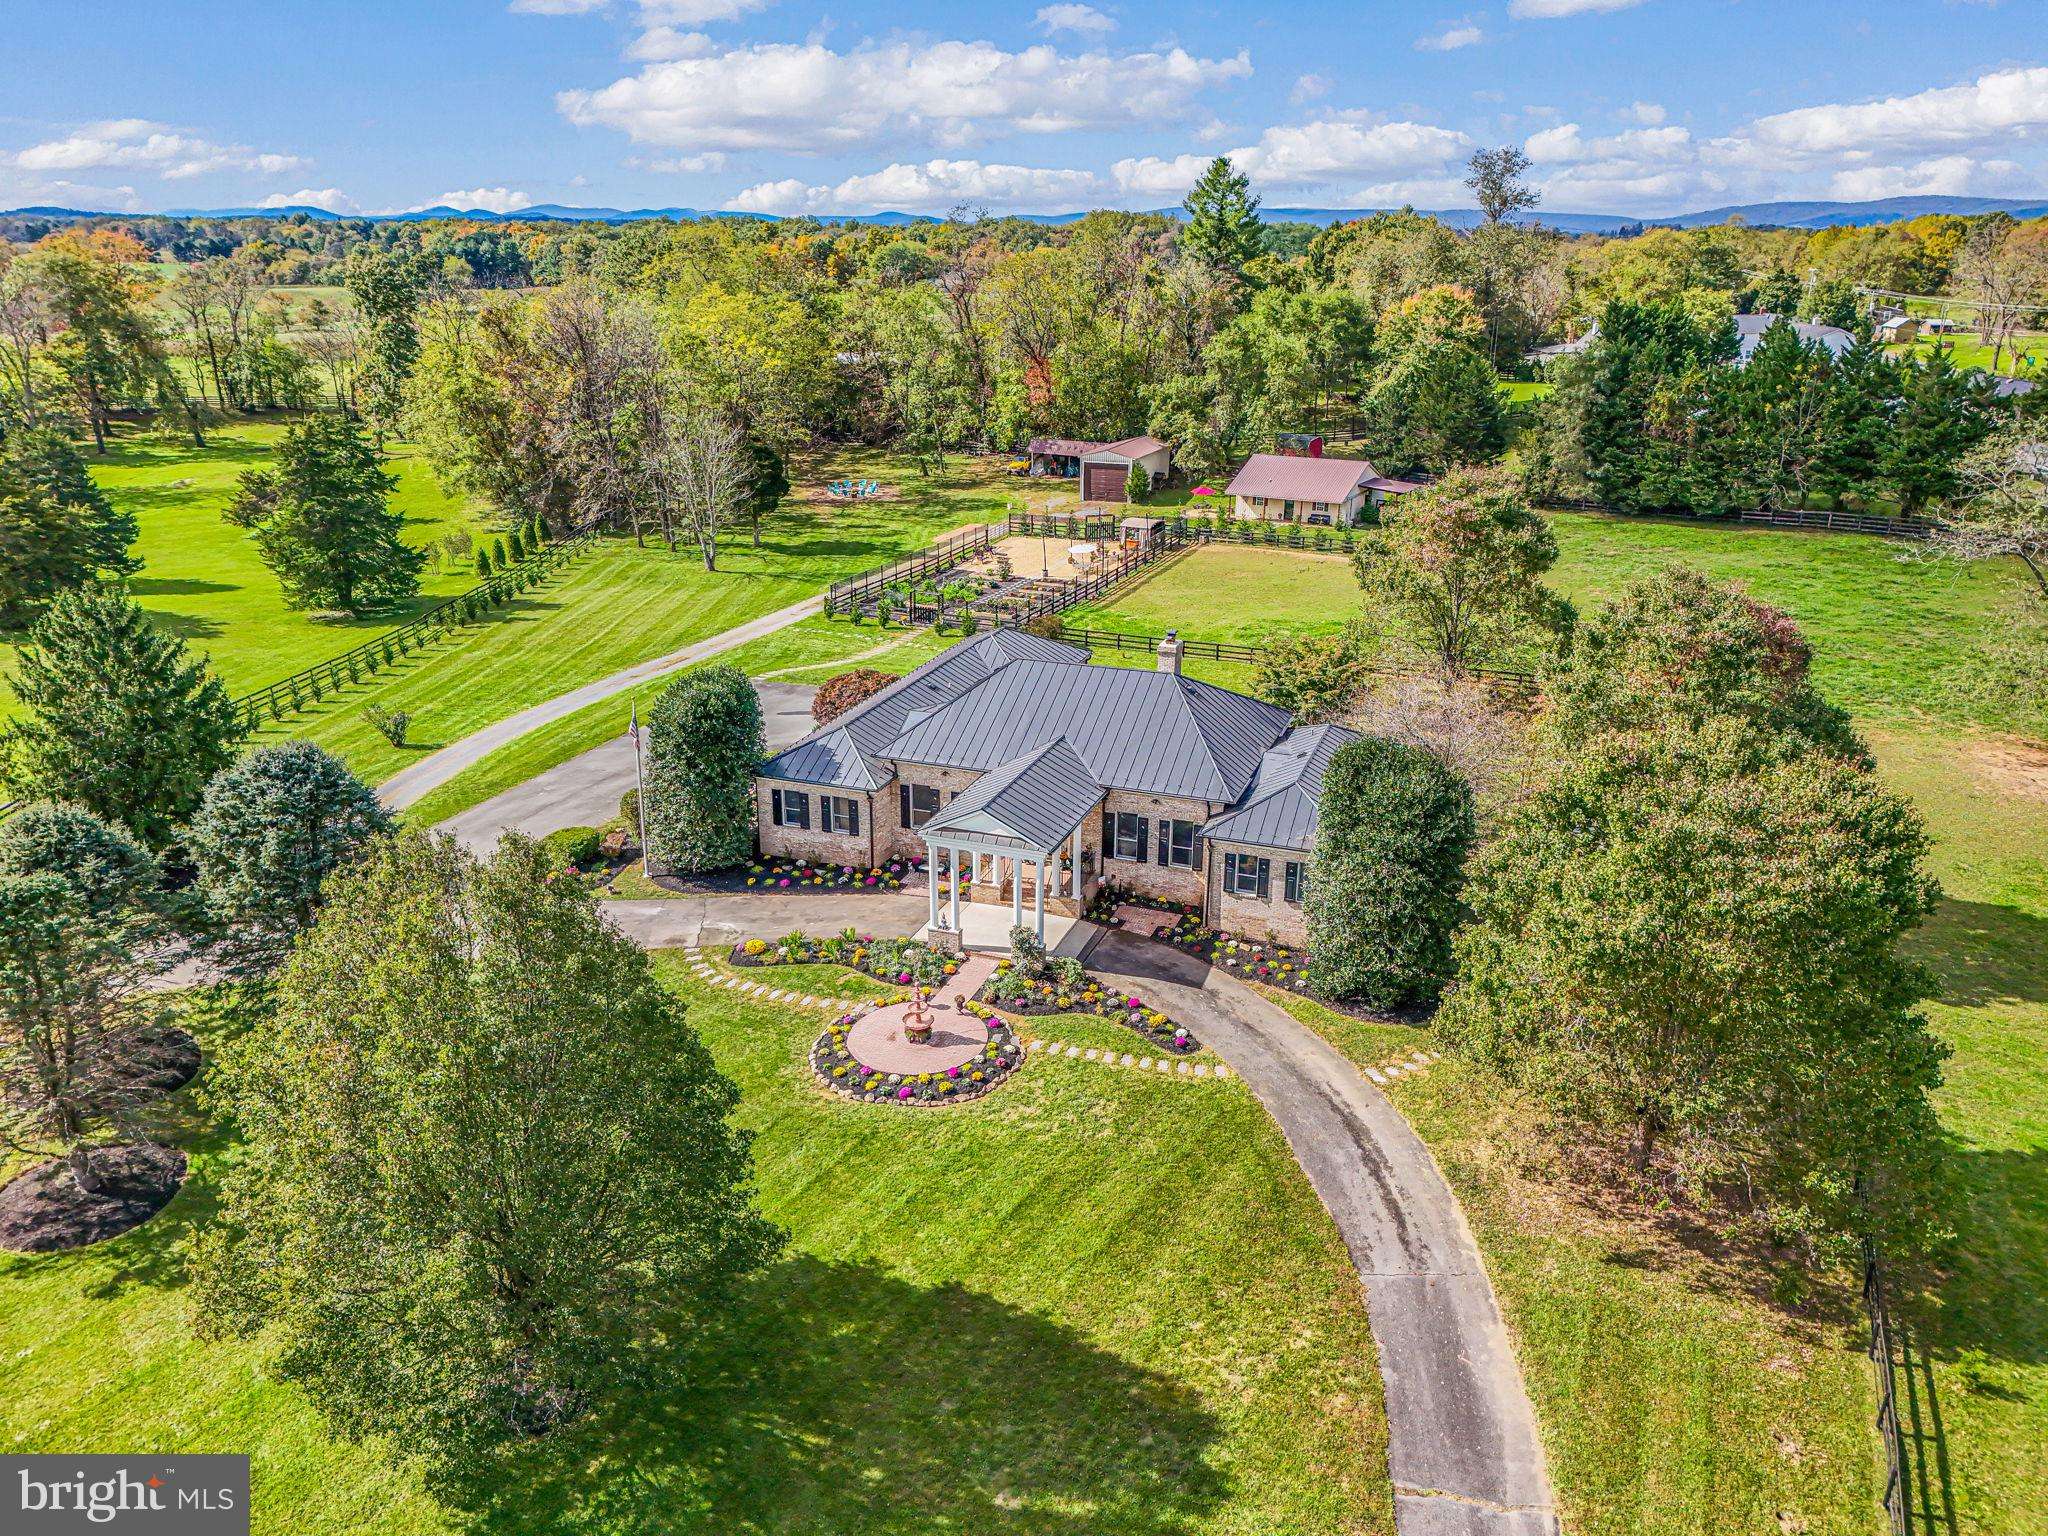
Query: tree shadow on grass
x=1984 y=953
x=174 y=586
x=837 y=1397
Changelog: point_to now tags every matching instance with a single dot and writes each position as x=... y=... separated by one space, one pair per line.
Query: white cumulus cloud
x=2004 y=102
x=333 y=199
x=1451 y=36
x=1074 y=18
x=140 y=143
x=490 y=199
x=1944 y=175
x=806 y=97
x=1539 y=10
x=932 y=186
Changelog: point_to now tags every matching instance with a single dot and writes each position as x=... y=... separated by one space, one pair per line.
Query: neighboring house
x=1039 y=777
x=1894 y=329
x=1749 y=333
x=1106 y=467
x=1749 y=330
x=1280 y=488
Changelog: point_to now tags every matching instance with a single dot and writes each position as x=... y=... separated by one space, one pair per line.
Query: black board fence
x=1508 y=679
x=284 y=698
x=1898 y=1488
x=870 y=586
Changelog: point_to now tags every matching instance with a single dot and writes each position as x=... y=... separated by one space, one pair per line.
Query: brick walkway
x=876 y=1038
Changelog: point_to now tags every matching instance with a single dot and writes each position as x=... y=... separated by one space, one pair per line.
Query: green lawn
x=201 y=577
x=1893 y=635
x=1096 y=1303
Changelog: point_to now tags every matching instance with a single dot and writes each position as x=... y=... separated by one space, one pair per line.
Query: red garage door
x=1103 y=482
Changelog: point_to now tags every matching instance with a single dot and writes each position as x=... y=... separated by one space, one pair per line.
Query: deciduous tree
x=491 y=1171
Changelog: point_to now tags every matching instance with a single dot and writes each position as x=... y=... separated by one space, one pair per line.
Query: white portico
x=1018 y=826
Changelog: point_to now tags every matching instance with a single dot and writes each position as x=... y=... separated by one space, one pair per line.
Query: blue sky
x=1627 y=106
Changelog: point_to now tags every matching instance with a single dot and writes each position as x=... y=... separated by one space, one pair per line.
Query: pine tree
x=57 y=529
x=1223 y=230
x=117 y=716
x=322 y=523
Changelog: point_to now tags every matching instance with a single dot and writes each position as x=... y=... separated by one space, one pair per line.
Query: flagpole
x=639 y=788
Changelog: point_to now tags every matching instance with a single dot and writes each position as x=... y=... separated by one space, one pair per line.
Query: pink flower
x=952 y=1071
x=903 y=1092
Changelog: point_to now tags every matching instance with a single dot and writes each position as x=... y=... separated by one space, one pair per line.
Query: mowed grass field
x=1603 y=1304
x=620 y=604
x=1098 y=1303
x=201 y=577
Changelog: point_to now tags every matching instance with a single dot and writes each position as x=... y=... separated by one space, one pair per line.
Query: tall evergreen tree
x=1944 y=412
x=1223 y=230
x=704 y=741
x=117 y=716
x=57 y=528
x=322 y=521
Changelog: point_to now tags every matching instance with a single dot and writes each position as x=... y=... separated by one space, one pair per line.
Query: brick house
x=1037 y=777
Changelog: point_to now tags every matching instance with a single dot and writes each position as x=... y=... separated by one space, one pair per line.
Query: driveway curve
x=418 y=779
x=1462 y=1446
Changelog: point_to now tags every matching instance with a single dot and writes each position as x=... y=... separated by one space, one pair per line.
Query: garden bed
x=898 y=962
x=44 y=1211
x=1056 y=994
x=799 y=877
x=837 y=1068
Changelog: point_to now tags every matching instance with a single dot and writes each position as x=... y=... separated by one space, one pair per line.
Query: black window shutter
x=1165 y=840
x=778 y=806
x=1265 y=875
x=1108 y=835
x=1198 y=841
x=903 y=801
x=853 y=810
x=1144 y=827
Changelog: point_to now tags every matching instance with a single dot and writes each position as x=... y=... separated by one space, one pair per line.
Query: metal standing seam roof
x=1041 y=796
x=1283 y=805
x=1281 y=476
x=1150 y=732
x=1128 y=447
x=847 y=752
x=1749 y=334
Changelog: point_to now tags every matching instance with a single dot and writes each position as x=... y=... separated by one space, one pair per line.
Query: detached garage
x=1106 y=471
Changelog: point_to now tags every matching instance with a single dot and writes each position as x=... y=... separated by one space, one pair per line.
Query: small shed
x=1105 y=470
x=1898 y=328
x=1143 y=532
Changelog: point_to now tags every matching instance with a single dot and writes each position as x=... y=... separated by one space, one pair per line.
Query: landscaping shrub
x=839 y=694
x=573 y=848
x=704 y=740
x=391 y=724
x=1395 y=828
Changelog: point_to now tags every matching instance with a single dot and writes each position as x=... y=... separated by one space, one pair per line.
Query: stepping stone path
x=1408 y=1066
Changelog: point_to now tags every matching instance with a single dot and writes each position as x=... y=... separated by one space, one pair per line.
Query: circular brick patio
x=877 y=1041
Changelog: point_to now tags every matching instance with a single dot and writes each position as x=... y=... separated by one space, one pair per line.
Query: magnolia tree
x=704 y=742
x=491 y=1173
x=1391 y=840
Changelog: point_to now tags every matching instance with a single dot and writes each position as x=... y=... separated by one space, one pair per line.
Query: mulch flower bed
x=838 y=1070
x=799 y=877
x=1041 y=999
x=165 y=1059
x=44 y=1210
x=888 y=960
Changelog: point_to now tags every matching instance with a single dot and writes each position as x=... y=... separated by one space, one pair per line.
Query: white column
x=1016 y=892
x=1038 y=900
x=1074 y=847
x=931 y=876
x=954 y=865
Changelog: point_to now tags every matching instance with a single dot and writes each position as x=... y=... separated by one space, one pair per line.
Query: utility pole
x=639 y=786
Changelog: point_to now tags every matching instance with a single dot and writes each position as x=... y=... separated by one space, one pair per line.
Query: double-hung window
x=792 y=808
x=1247 y=875
x=1126 y=835
x=840 y=814
x=1297 y=882
x=1177 y=844
x=918 y=803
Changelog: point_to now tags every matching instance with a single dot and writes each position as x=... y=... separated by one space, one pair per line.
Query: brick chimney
x=1170 y=651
